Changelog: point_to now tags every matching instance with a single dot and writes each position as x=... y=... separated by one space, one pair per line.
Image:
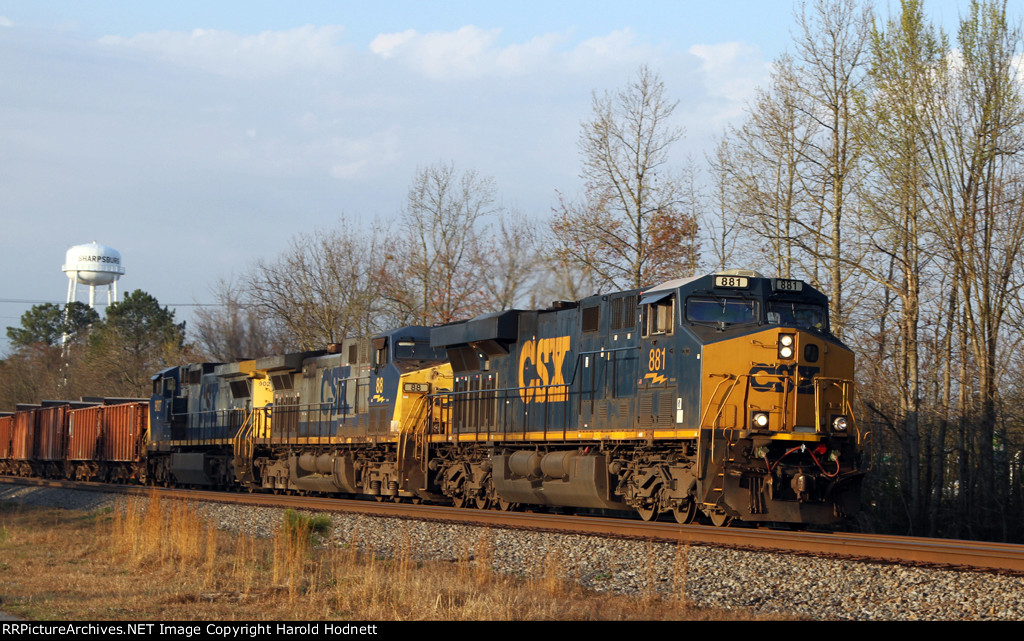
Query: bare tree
x=975 y=145
x=831 y=64
x=430 y=279
x=562 y=279
x=793 y=162
x=506 y=260
x=634 y=225
x=319 y=291
x=906 y=58
x=722 y=227
x=761 y=167
x=233 y=329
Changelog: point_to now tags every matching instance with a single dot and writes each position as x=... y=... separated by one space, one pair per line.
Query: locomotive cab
x=777 y=430
x=723 y=394
x=166 y=406
x=395 y=353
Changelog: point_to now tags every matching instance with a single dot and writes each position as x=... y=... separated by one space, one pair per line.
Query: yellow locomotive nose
x=785 y=381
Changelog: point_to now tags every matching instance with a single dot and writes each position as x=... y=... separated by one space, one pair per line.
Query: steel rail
x=945 y=553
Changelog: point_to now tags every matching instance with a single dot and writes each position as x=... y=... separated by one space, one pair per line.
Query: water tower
x=93 y=265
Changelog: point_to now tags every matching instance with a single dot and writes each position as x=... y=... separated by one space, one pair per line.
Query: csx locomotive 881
x=724 y=396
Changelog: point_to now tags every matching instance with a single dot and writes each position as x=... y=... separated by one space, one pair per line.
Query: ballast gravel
x=822 y=589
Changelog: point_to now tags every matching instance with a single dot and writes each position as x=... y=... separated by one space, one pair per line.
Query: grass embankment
x=159 y=560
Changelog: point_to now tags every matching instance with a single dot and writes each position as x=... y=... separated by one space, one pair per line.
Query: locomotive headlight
x=839 y=423
x=760 y=419
x=786 y=342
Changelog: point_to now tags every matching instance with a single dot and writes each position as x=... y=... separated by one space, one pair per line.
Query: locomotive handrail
x=206 y=424
x=844 y=385
x=721 y=406
x=598 y=352
x=820 y=382
x=244 y=448
x=866 y=436
x=501 y=393
x=500 y=418
x=414 y=425
x=725 y=378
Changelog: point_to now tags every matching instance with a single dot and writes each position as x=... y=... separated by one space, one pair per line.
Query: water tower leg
x=71 y=299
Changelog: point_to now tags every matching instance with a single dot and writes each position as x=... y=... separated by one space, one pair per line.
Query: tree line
x=67 y=352
x=881 y=164
x=454 y=251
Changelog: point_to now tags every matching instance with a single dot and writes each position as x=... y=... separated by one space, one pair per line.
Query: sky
x=197 y=137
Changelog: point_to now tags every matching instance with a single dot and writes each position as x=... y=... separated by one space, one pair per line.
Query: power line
x=20 y=301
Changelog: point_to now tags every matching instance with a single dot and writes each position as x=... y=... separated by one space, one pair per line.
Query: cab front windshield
x=799 y=315
x=411 y=354
x=721 y=311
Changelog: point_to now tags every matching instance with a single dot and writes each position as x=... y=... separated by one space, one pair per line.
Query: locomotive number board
x=784 y=285
x=732 y=282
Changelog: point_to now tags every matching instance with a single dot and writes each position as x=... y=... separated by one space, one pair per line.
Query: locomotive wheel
x=459 y=501
x=482 y=502
x=685 y=513
x=648 y=513
x=719 y=518
x=506 y=506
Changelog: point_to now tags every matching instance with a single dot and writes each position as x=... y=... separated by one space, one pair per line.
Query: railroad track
x=917 y=551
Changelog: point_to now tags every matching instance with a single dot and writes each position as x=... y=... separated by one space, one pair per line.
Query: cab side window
x=380 y=352
x=659 y=316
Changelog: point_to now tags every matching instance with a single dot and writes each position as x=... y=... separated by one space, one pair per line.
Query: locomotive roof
x=672 y=284
x=753 y=282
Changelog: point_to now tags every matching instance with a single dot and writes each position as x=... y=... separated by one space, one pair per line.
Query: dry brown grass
x=155 y=560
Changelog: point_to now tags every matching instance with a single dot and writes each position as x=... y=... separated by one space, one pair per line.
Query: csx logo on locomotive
x=540 y=365
x=776 y=374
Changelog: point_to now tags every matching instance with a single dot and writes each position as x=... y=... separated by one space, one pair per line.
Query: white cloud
x=523 y=58
x=388 y=45
x=617 y=47
x=6 y=22
x=231 y=54
x=472 y=52
x=361 y=157
x=465 y=52
x=732 y=70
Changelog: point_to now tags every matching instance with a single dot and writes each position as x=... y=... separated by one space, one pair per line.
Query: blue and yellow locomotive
x=724 y=395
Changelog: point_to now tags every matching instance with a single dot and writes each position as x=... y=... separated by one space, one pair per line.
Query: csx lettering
x=773 y=377
x=332 y=389
x=208 y=400
x=540 y=366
